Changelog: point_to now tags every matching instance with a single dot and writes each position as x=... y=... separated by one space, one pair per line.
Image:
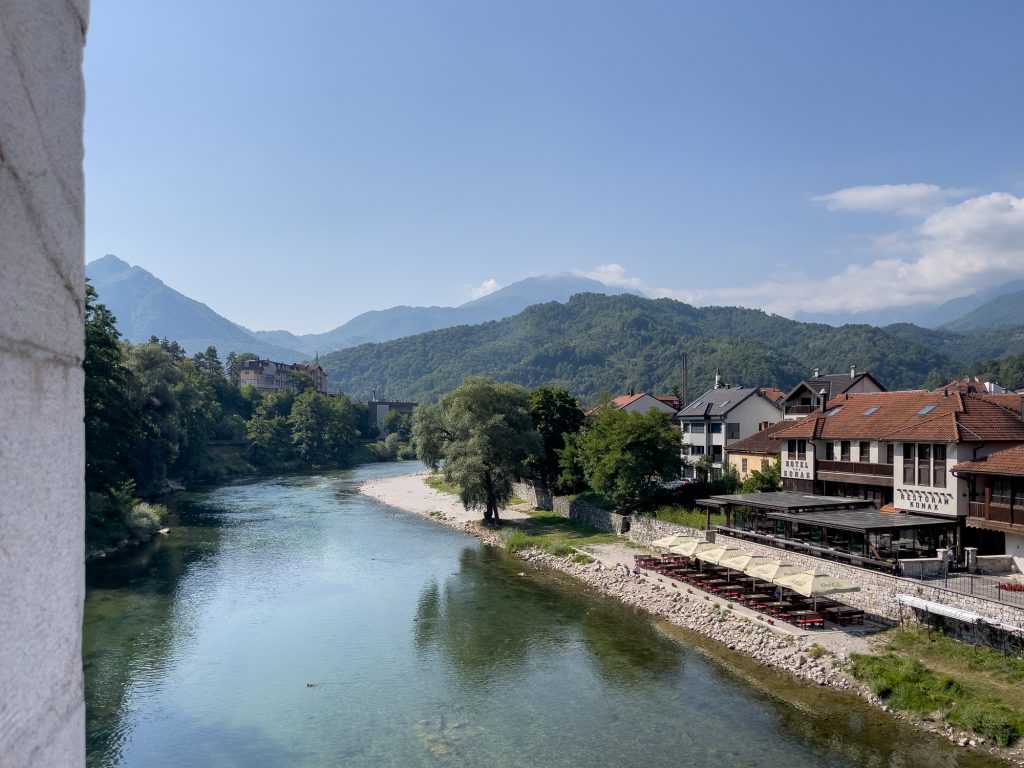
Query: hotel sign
x=797 y=468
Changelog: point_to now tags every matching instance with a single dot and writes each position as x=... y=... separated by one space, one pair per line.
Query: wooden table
x=776 y=607
x=844 y=615
x=807 y=619
x=756 y=598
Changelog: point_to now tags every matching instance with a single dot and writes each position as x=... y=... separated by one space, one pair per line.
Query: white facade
x=712 y=435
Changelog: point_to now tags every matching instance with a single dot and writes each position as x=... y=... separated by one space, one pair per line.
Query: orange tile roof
x=1007 y=462
x=761 y=442
x=914 y=415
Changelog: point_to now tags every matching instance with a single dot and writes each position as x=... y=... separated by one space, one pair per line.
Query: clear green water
x=425 y=649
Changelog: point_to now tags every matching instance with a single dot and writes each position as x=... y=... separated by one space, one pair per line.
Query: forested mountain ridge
x=611 y=343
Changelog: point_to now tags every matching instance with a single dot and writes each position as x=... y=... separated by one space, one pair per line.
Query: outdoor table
x=732 y=593
x=776 y=607
x=713 y=585
x=845 y=615
x=757 y=597
x=807 y=619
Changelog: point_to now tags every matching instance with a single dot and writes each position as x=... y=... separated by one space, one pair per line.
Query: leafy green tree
x=483 y=434
x=555 y=414
x=627 y=456
x=703 y=467
x=152 y=397
x=269 y=431
x=110 y=430
x=323 y=428
x=730 y=479
x=765 y=479
x=199 y=412
x=234 y=365
x=395 y=423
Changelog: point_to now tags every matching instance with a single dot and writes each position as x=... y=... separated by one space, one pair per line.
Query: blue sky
x=294 y=164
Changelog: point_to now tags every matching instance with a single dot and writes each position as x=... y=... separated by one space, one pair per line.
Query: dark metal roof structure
x=783 y=501
x=863 y=520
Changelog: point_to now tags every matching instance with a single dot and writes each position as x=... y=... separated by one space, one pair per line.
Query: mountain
x=144 y=306
x=396 y=322
x=597 y=343
x=944 y=315
x=1005 y=311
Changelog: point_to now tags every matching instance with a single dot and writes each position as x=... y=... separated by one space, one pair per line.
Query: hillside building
x=270 y=376
x=810 y=394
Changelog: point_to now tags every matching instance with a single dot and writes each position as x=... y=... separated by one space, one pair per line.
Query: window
x=716 y=453
x=697 y=428
x=732 y=431
x=924 y=464
x=743 y=466
x=939 y=466
x=1001 y=492
x=696 y=450
x=871 y=410
x=715 y=428
x=844 y=450
x=791 y=448
x=890 y=453
x=686 y=427
x=864 y=453
x=801 y=449
x=908 y=463
x=830 y=451
x=926 y=410
x=834 y=411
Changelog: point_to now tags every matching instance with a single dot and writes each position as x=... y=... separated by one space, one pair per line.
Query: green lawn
x=693 y=518
x=554 y=533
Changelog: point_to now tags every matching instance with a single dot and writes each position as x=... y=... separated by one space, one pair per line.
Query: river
x=293 y=622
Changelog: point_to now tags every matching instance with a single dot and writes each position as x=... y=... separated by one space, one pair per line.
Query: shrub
x=559 y=549
x=518 y=541
x=582 y=559
x=816 y=651
x=145 y=519
x=989 y=719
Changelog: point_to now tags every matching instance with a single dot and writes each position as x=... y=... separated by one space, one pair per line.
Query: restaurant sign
x=925 y=501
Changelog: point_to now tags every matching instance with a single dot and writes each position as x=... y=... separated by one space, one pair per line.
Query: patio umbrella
x=671 y=541
x=815 y=584
x=691 y=548
x=744 y=561
x=772 y=569
x=719 y=554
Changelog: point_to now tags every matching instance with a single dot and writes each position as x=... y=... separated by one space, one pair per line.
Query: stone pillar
x=42 y=101
x=971 y=559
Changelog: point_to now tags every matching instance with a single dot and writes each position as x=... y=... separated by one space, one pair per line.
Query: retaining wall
x=538 y=496
x=644 y=530
x=581 y=512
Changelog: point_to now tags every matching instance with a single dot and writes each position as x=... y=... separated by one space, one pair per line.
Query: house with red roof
x=995 y=508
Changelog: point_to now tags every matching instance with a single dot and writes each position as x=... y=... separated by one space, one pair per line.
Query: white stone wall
x=42 y=715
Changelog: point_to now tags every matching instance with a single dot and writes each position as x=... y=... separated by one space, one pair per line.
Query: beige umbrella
x=770 y=570
x=691 y=548
x=814 y=584
x=716 y=556
x=671 y=541
x=742 y=562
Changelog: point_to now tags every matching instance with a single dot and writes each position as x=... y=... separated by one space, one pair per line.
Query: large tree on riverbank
x=482 y=435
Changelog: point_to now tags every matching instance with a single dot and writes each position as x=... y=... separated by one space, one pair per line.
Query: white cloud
x=905 y=199
x=954 y=250
x=490 y=285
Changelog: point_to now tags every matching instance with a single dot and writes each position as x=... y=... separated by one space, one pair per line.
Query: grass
x=692 y=518
x=977 y=689
x=595 y=500
x=554 y=534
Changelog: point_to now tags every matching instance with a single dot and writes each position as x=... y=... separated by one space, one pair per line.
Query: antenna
x=684 y=393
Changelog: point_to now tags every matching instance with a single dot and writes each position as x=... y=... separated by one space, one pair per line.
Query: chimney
x=822 y=400
x=853 y=371
x=817 y=373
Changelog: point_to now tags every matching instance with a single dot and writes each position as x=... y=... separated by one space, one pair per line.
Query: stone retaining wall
x=581 y=512
x=643 y=530
x=995 y=565
x=539 y=497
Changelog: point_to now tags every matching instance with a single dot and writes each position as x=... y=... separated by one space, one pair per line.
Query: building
x=720 y=417
x=809 y=395
x=973 y=386
x=380 y=408
x=995 y=511
x=641 y=402
x=757 y=452
x=270 y=376
x=898 y=449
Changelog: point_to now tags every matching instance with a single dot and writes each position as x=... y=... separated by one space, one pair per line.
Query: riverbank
x=821 y=658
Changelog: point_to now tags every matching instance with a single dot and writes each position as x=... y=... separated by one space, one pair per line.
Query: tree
x=268 y=429
x=395 y=423
x=626 y=457
x=110 y=431
x=154 y=404
x=323 y=428
x=765 y=479
x=555 y=414
x=482 y=435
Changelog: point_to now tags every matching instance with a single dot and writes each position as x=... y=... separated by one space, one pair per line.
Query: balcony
x=860 y=472
x=997 y=517
x=800 y=410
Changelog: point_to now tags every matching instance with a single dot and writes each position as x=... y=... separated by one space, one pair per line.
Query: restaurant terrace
x=832 y=527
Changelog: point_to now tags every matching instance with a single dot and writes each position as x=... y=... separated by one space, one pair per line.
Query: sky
x=295 y=164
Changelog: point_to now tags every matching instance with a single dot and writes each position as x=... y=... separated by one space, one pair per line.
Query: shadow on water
x=490 y=615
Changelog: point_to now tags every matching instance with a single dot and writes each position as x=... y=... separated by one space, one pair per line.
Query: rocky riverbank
x=796 y=653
